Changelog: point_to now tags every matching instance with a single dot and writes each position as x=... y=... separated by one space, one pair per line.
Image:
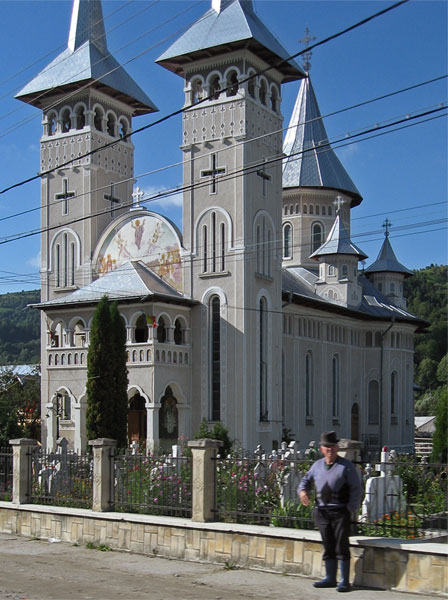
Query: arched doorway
x=168 y=420
x=354 y=435
x=137 y=419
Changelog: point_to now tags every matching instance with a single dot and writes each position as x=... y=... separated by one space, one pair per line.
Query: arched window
x=317 y=209
x=274 y=99
x=344 y=271
x=161 y=330
x=197 y=91
x=79 y=334
x=311 y=209
x=66 y=121
x=178 y=332
x=204 y=249
x=215 y=358
x=392 y=287
x=72 y=263
x=259 y=255
x=263 y=92
x=335 y=386
x=232 y=84
x=111 y=125
x=80 y=117
x=263 y=366
x=63 y=406
x=223 y=247
x=305 y=209
x=393 y=393
x=377 y=339
x=380 y=286
x=374 y=402
x=122 y=128
x=369 y=339
x=287 y=241
x=215 y=88
x=316 y=236
x=141 y=330
x=331 y=270
x=51 y=124
x=98 y=119
x=324 y=211
x=251 y=85
x=330 y=211
x=309 y=385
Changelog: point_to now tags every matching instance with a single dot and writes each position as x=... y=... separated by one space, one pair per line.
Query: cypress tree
x=118 y=358
x=100 y=375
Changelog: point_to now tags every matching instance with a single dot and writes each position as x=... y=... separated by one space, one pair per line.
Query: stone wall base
x=385 y=564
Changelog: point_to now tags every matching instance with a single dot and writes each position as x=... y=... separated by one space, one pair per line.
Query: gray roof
x=387 y=261
x=299 y=283
x=132 y=280
x=339 y=242
x=86 y=61
x=307 y=165
x=233 y=25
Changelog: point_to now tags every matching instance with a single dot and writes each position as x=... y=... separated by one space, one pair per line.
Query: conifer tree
x=118 y=358
x=100 y=375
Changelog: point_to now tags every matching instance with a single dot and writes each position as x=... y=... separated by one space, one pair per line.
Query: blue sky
x=402 y=176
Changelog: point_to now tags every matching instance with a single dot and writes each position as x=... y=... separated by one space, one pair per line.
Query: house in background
x=257 y=314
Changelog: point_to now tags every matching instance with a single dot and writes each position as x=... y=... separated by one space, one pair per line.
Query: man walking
x=338 y=494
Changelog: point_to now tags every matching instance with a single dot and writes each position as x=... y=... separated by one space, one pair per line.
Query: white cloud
x=35 y=261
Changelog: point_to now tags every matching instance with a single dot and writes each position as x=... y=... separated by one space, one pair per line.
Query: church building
x=257 y=315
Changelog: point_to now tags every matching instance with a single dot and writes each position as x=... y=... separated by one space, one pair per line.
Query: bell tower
x=87 y=156
x=232 y=144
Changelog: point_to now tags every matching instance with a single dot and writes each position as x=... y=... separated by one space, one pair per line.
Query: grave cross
x=264 y=176
x=213 y=172
x=65 y=195
x=112 y=199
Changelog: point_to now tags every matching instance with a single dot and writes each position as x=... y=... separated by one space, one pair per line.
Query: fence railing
x=60 y=479
x=152 y=485
x=404 y=496
x=6 y=472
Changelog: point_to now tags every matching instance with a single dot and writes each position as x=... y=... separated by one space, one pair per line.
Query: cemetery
x=196 y=505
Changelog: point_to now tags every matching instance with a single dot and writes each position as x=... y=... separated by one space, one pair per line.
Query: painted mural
x=146 y=237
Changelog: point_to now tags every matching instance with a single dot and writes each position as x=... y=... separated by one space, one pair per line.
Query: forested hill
x=19 y=328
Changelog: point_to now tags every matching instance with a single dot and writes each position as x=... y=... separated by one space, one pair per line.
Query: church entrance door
x=168 y=420
x=137 y=419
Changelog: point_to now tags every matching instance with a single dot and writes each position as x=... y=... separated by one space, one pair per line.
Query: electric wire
x=181 y=110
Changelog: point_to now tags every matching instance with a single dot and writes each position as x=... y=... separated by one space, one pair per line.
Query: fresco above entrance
x=147 y=237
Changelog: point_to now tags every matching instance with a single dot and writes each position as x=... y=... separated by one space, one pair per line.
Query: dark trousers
x=334 y=527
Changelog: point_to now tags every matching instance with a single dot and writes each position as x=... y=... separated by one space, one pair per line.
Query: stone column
x=21 y=484
x=102 y=473
x=204 y=478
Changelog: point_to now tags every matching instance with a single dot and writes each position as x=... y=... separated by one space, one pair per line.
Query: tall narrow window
x=269 y=254
x=309 y=385
x=65 y=259
x=259 y=256
x=393 y=393
x=58 y=265
x=374 y=403
x=263 y=369
x=232 y=84
x=215 y=88
x=223 y=247
x=213 y=242
x=161 y=330
x=72 y=263
x=316 y=236
x=178 y=332
x=215 y=358
x=204 y=249
x=263 y=92
x=287 y=241
x=66 y=121
x=335 y=386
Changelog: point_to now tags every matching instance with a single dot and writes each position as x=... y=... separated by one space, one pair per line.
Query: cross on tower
x=307 y=55
x=137 y=196
x=265 y=177
x=112 y=199
x=213 y=172
x=338 y=203
x=65 y=195
x=387 y=225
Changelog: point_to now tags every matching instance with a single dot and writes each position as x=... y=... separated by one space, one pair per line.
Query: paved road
x=38 y=570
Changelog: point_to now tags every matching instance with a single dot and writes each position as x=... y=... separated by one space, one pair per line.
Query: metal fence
x=403 y=498
x=6 y=474
x=152 y=485
x=61 y=479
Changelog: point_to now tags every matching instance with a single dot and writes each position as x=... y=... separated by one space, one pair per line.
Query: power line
x=181 y=110
x=245 y=170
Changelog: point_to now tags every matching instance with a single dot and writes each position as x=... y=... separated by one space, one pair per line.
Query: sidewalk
x=40 y=570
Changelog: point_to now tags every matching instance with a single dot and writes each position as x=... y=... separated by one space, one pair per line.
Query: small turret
x=387 y=274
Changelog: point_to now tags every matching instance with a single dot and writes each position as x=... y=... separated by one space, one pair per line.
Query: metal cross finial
x=338 y=203
x=307 y=55
x=387 y=225
x=137 y=196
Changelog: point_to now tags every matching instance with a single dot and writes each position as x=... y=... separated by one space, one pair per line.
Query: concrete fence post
x=204 y=479
x=21 y=478
x=102 y=473
x=350 y=449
